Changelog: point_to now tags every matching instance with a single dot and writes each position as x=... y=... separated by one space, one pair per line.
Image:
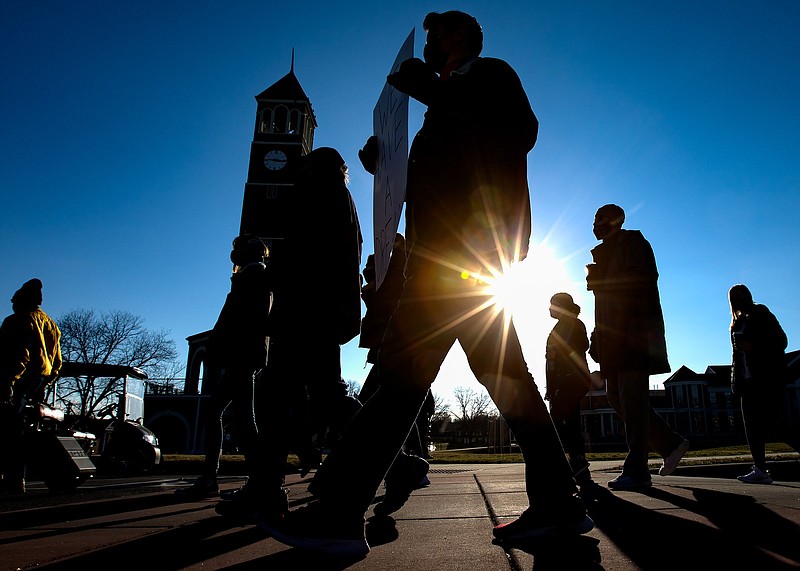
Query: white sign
x=390 y=126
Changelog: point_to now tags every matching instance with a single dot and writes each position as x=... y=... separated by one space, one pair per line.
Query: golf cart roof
x=70 y=369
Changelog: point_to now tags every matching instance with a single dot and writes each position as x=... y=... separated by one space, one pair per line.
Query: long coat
x=629 y=324
x=318 y=269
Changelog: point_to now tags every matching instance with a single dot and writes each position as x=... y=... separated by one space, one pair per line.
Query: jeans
x=235 y=389
x=629 y=395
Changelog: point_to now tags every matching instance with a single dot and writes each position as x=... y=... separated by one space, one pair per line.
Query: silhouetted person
x=316 y=309
x=237 y=350
x=568 y=380
x=758 y=377
x=409 y=470
x=467 y=212
x=629 y=343
x=30 y=359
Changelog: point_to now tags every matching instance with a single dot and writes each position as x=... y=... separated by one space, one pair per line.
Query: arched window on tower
x=295 y=122
x=265 y=120
x=281 y=119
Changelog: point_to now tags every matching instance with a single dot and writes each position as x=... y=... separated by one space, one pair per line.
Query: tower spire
x=292 y=69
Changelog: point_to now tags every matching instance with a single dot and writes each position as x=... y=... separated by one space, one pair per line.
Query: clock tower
x=284 y=131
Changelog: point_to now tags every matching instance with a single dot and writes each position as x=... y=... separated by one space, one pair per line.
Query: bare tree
x=353 y=388
x=118 y=338
x=471 y=405
x=441 y=409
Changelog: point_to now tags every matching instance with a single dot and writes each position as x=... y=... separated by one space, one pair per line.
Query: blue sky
x=126 y=130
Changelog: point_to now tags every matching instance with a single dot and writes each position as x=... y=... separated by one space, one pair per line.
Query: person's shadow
x=747 y=535
x=743 y=534
x=559 y=553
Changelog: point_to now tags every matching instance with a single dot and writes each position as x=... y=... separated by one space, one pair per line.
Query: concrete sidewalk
x=699 y=518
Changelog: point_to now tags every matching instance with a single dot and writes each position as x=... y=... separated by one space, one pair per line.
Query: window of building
x=280 y=122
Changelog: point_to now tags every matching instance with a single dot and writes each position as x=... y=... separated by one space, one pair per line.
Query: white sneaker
x=671 y=462
x=756 y=476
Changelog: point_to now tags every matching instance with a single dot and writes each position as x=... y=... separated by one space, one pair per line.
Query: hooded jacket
x=30 y=345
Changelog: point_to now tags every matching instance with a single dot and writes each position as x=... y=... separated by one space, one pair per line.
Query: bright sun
x=524 y=289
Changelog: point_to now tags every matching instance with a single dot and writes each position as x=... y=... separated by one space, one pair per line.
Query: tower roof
x=286 y=88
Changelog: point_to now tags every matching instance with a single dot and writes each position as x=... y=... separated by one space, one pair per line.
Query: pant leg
x=242 y=402
x=495 y=357
x=565 y=409
x=282 y=420
x=755 y=415
x=416 y=343
x=215 y=408
x=12 y=461
x=634 y=402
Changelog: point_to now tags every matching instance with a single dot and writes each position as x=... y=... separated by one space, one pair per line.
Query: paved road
x=699 y=518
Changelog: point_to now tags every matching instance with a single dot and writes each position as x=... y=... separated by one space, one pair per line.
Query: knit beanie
x=30 y=294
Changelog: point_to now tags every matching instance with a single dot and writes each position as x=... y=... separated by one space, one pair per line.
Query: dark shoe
x=316 y=529
x=244 y=504
x=756 y=476
x=202 y=488
x=410 y=473
x=229 y=495
x=532 y=524
x=623 y=482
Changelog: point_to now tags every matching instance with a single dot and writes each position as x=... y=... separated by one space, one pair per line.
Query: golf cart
x=126 y=446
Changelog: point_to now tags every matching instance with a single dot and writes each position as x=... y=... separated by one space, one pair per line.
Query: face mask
x=601 y=230
x=434 y=56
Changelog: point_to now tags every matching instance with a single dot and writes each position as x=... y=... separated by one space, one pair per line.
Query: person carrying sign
x=467 y=214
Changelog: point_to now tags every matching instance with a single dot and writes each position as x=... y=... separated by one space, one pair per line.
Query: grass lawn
x=233 y=463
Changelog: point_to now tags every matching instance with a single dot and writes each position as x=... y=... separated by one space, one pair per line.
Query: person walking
x=316 y=308
x=409 y=470
x=629 y=343
x=467 y=214
x=758 y=376
x=30 y=359
x=237 y=350
x=568 y=381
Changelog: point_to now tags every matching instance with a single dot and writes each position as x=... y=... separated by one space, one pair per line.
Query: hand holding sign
x=390 y=149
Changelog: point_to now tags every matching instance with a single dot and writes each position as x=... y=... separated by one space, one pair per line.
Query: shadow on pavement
x=560 y=553
x=657 y=539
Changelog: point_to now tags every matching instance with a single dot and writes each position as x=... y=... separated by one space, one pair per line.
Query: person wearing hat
x=467 y=211
x=629 y=343
x=30 y=358
x=568 y=380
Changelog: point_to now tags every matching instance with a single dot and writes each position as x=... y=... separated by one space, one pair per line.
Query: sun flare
x=525 y=288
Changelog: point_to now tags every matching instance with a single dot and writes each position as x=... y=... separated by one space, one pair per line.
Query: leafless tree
x=119 y=338
x=353 y=388
x=471 y=404
x=441 y=409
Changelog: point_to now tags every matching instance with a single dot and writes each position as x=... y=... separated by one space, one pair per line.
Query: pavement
x=700 y=517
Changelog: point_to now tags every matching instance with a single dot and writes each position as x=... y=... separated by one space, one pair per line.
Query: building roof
x=720 y=375
x=286 y=88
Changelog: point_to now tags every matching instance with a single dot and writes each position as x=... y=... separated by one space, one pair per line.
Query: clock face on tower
x=275 y=160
